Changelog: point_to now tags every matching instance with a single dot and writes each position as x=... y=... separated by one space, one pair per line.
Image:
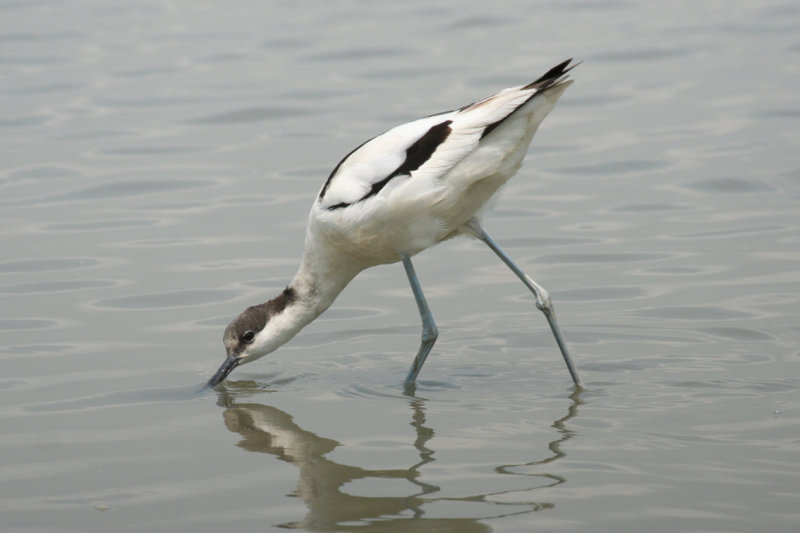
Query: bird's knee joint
x=545 y=304
x=429 y=335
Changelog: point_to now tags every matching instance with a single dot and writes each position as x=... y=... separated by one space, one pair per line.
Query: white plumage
x=395 y=195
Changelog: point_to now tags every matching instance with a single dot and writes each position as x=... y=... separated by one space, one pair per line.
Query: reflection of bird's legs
x=554 y=447
x=424 y=434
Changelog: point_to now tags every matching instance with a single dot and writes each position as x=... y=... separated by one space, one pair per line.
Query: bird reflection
x=265 y=429
x=554 y=446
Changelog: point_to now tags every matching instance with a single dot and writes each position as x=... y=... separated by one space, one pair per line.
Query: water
x=157 y=163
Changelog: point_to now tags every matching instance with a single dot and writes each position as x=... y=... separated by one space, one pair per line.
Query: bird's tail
x=553 y=76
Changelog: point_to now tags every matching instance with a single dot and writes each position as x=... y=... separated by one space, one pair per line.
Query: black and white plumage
x=395 y=195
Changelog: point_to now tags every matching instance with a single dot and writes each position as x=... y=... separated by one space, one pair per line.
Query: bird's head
x=257 y=331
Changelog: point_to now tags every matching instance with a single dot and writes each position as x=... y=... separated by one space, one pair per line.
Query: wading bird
x=395 y=195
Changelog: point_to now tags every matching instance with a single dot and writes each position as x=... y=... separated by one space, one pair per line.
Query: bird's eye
x=248 y=335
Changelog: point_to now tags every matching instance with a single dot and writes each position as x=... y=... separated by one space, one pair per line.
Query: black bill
x=227 y=367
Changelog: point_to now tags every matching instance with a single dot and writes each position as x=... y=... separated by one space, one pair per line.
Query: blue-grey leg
x=429 y=330
x=543 y=302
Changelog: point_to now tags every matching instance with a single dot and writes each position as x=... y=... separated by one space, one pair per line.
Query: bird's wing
x=400 y=151
x=426 y=148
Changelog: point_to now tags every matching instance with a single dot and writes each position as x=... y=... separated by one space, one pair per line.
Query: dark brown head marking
x=246 y=326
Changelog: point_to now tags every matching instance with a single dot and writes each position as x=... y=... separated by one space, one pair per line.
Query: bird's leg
x=429 y=330
x=543 y=302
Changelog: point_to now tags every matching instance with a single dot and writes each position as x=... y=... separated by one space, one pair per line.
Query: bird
x=395 y=195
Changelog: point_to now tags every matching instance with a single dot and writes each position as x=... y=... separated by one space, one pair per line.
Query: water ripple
x=57 y=286
x=161 y=300
x=49 y=264
x=248 y=115
x=727 y=185
x=15 y=324
x=615 y=168
x=694 y=312
x=609 y=257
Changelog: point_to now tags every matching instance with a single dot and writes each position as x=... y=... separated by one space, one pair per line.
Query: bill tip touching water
x=396 y=195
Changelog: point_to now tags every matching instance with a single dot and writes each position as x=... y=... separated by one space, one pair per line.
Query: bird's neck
x=312 y=290
x=322 y=275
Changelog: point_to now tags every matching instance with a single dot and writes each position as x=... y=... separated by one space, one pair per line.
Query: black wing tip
x=553 y=76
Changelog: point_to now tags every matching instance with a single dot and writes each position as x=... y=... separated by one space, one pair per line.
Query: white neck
x=324 y=272
x=322 y=275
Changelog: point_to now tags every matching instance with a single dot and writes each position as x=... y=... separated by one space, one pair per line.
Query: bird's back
x=419 y=183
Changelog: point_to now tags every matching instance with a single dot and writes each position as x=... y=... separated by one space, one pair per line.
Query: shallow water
x=157 y=165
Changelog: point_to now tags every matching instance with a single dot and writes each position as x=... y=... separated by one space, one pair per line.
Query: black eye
x=248 y=335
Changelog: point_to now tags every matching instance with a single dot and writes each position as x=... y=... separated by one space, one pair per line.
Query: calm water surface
x=156 y=166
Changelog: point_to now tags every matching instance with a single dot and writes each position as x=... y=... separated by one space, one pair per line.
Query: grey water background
x=157 y=163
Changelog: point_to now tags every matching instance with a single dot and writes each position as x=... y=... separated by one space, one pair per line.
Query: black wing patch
x=416 y=155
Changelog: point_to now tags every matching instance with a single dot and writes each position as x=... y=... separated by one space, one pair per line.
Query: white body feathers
x=431 y=204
